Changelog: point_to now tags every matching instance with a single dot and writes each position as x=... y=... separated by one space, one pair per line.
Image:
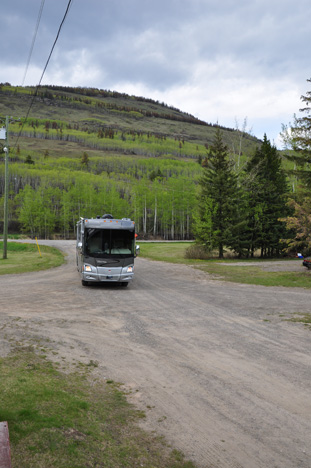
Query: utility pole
x=6 y=190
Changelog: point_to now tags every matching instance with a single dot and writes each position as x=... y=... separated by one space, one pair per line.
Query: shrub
x=197 y=252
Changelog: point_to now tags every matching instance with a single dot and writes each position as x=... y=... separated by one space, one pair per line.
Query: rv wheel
x=84 y=283
x=124 y=284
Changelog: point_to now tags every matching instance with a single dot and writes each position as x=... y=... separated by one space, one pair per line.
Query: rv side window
x=79 y=232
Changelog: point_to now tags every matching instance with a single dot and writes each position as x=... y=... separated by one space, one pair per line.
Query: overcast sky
x=221 y=61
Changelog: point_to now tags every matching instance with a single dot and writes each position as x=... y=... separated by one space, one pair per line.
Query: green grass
x=72 y=420
x=175 y=253
x=255 y=275
x=24 y=258
x=302 y=318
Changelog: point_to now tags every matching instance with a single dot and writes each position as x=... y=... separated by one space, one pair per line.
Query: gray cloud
x=216 y=60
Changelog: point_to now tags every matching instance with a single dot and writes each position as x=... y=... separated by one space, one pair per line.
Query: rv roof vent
x=107 y=216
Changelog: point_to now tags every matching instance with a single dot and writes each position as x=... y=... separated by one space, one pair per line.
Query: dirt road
x=216 y=367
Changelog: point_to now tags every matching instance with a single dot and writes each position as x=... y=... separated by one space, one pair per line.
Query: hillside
x=84 y=151
x=93 y=109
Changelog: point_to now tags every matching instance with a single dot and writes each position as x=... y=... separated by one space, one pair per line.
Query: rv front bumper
x=96 y=274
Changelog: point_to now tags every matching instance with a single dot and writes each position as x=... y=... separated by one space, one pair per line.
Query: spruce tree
x=267 y=196
x=217 y=200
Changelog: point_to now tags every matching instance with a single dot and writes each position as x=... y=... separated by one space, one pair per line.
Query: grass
x=255 y=275
x=302 y=318
x=72 y=419
x=24 y=258
x=175 y=253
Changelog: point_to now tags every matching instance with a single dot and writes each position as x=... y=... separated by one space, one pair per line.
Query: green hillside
x=83 y=152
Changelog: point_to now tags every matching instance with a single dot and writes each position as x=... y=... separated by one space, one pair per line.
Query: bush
x=197 y=252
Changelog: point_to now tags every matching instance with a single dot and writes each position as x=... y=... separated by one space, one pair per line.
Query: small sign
x=2 y=133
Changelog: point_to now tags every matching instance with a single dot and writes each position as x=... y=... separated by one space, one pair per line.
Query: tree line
x=246 y=211
x=171 y=199
x=49 y=196
x=255 y=206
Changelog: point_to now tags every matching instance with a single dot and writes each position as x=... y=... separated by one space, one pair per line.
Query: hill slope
x=98 y=109
x=82 y=152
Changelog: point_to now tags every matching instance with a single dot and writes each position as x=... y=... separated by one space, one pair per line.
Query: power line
x=44 y=70
x=33 y=40
x=53 y=46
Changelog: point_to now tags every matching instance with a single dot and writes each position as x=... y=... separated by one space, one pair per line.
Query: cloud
x=216 y=60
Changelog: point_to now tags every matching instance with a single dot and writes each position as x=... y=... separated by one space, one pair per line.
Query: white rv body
x=105 y=250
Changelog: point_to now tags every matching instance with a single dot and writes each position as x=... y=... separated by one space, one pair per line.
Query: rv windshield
x=109 y=243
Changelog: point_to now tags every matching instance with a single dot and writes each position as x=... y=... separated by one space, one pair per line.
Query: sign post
x=4 y=133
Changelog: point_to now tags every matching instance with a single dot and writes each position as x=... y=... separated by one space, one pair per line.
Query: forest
x=79 y=152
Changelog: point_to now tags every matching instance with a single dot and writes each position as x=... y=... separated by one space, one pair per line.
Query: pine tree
x=217 y=200
x=267 y=196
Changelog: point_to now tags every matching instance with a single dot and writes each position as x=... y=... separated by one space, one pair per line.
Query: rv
x=105 y=250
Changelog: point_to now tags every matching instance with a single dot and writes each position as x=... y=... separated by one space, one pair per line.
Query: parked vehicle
x=307 y=262
x=105 y=250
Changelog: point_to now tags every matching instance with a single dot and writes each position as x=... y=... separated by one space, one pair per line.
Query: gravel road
x=216 y=366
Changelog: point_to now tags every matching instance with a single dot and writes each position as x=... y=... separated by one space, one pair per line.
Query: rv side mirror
x=137 y=250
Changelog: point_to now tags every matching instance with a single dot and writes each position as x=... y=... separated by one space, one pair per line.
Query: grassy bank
x=248 y=274
x=23 y=258
x=73 y=420
x=173 y=252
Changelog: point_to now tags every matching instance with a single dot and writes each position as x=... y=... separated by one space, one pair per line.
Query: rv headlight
x=87 y=268
x=130 y=269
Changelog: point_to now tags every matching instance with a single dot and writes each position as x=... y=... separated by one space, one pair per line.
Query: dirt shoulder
x=216 y=366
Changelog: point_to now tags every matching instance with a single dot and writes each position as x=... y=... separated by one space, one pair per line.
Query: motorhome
x=105 y=250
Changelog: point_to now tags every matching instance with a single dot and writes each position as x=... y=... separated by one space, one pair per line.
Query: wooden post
x=5 y=453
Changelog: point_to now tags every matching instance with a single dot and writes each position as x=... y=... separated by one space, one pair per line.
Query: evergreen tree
x=85 y=160
x=29 y=160
x=267 y=196
x=218 y=199
x=299 y=140
x=299 y=224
